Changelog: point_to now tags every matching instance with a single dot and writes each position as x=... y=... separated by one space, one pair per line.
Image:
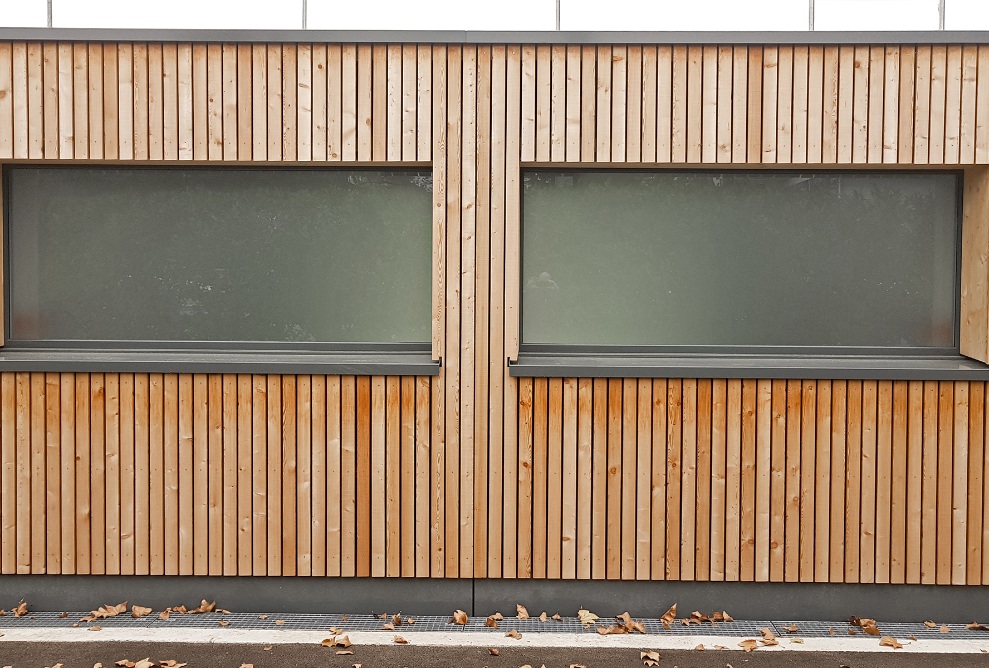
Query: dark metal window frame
x=164 y=356
x=733 y=361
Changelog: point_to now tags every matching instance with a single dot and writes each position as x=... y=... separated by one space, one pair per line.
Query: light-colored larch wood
x=817 y=113
x=186 y=475
x=540 y=460
x=928 y=533
x=905 y=132
x=528 y=84
x=142 y=473
x=603 y=113
x=719 y=452
x=733 y=476
x=915 y=449
x=422 y=487
x=884 y=446
x=959 y=482
x=304 y=103
x=860 y=105
x=702 y=519
x=649 y=103
x=975 y=500
x=112 y=484
x=67 y=491
x=922 y=106
x=379 y=102
x=678 y=119
x=288 y=498
x=526 y=401
x=891 y=105
x=898 y=486
x=747 y=506
x=628 y=422
x=97 y=482
x=770 y=109
x=544 y=103
x=853 y=481
x=674 y=434
x=723 y=104
x=808 y=480
x=945 y=451
x=938 y=112
x=968 y=122
x=777 y=495
x=838 y=474
x=694 y=103
x=791 y=553
x=953 y=105
x=554 y=479
x=643 y=491
x=633 y=105
x=213 y=463
x=405 y=494
x=583 y=538
x=877 y=82
x=230 y=473
x=867 y=532
x=763 y=479
x=53 y=471
x=664 y=104
x=407 y=121
x=363 y=462
x=348 y=478
x=785 y=103
x=9 y=478
x=377 y=499
x=588 y=98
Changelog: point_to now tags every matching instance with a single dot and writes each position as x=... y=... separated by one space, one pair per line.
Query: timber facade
x=477 y=469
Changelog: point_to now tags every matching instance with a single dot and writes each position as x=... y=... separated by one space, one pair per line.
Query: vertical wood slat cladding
x=476 y=473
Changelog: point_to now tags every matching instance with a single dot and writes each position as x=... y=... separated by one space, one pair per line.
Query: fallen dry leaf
x=649 y=658
x=396 y=619
x=888 y=641
x=513 y=634
x=96 y=628
x=851 y=632
x=223 y=622
x=163 y=615
x=557 y=617
x=768 y=637
x=866 y=624
x=494 y=651
x=945 y=629
x=344 y=652
x=459 y=617
x=748 y=644
x=262 y=616
x=586 y=617
x=831 y=630
x=611 y=630
x=138 y=611
x=670 y=615
x=342 y=641
x=280 y=621
x=521 y=612
x=336 y=631
x=388 y=626
x=21 y=609
x=491 y=622
x=792 y=628
x=409 y=620
x=975 y=626
x=266 y=648
x=699 y=648
x=399 y=640
x=247 y=665
x=204 y=607
x=912 y=637
x=929 y=623
x=799 y=641
x=63 y=615
x=721 y=617
x=171 y=663
x=543 y=617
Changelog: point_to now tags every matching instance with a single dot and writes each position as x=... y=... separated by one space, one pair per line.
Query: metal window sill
x=357 y=363
x=571 y=365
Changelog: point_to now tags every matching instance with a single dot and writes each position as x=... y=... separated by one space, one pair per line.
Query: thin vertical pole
x=305 y=11
x=810 y=15
x=49 y=13
x=940 y=15
x=558 y=14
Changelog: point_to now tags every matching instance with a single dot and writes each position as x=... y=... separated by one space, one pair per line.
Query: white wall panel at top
x=876 y=15
x=215 y=14
x=432 y=15
x=966 y=15
x=23 y=13
x=684 y=15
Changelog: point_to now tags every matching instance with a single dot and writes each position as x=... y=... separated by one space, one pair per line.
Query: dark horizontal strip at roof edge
x=495 y=37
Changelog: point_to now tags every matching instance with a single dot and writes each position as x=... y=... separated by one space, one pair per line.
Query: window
x=172 y=257
x=740 y=261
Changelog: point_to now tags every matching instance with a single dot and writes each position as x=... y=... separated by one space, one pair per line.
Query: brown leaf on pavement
x=768 y=637
x=513 y=634
x=223 y=622
x=63 y=615
x=21 y=609
x=866 y=624
x=279 y=621
x=204 y=607
x=145 y=663
x=388 y=627
x=138 y=611
x=163 y=615
x=410 y=621
x=336 y=631
x=649 y=658
x=975 y=626
x=96 y=628
x=491 y=621
x=171 y=663
x=521 y=612
x=459 y=617
x=929 y=623
x=126 y=663
x=792 y=628
x=396 y=619
x=945 y=629
x=494 y=651
x=670 y=615
x=888 y=641
x=611 y=630
x=342 y=641
x=749 y=644
x=831 y=630
x=262 y=616
x=557 y=617
x=344 y=652
x=399 y=640
x=699 y=648
x=543 y=617
x=721 y=617
x=586 y=617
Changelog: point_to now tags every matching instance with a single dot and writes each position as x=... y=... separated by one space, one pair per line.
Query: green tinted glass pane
x=739 y=258
x=287 y=255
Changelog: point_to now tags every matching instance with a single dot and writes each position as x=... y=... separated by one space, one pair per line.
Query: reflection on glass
x=739 y=259
x=208 y=254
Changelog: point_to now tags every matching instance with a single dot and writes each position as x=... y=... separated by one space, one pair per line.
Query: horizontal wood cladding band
x=700 y=104
x=726 y=480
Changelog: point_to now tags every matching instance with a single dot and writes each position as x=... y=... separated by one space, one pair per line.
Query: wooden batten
x=974 y=325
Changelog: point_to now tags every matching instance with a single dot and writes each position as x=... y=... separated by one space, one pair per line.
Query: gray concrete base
x=744 y=600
